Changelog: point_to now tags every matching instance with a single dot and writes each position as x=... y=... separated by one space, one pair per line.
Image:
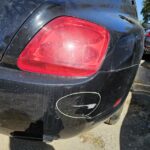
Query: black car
x=66 y=65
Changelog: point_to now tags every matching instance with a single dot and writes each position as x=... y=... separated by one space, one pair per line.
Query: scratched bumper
x=43 y=106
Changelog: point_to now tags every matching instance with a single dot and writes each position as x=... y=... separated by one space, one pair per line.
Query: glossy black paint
x=13 y=14
x=28 y=101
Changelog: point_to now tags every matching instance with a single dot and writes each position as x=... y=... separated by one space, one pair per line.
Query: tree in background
x=146 y=11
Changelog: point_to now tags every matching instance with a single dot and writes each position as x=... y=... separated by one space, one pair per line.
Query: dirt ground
x=132 y=132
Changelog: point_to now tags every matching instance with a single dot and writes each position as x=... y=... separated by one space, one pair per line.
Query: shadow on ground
x=19 y=144
x=135 y=130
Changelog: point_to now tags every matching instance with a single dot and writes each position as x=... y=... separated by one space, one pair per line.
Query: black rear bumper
x=29 y=102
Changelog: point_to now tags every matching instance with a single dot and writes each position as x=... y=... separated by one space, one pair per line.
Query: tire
x=146 y=57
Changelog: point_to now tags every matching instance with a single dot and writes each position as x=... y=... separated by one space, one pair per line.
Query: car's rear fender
x=33 y=98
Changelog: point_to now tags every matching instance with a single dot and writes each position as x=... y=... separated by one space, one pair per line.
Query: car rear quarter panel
x=28 y=100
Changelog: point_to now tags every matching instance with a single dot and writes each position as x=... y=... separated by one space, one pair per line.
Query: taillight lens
x=148 y=34
x=66 y=46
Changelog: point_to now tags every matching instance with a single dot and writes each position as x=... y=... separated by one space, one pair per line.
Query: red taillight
x=148 y=34
x=66 y=46
x=118 y=101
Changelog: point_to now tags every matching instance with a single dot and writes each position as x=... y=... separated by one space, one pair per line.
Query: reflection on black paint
x=14 y=120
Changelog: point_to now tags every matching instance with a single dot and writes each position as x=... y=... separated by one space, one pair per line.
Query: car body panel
x=12 y=15
x=49 y=107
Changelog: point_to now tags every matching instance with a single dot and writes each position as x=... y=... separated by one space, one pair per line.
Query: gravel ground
x=132 y=132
